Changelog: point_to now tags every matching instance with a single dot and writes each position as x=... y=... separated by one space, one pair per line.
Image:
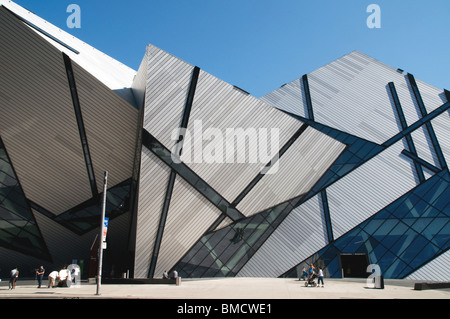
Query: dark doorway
x=355 y=265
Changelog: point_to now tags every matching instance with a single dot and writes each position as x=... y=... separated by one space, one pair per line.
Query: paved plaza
x=229 y=289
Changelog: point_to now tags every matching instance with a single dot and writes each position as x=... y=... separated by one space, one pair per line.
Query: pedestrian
x=304 y=274
x=165 y=274
x=320 y=280
x=13 y=278
x=40 y=274
x=52 y=278
x=63 y=276
x=311 y=271
x=174 y=274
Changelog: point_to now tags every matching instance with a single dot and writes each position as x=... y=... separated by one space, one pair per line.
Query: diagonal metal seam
x=152 y=144
x=422 y=162
x=419 y=123
x=162 y=224
x=29 y=208
x=307 y=95
x=173 y=173
x=428 y=125
x=260 y=175
x=80 y=123
x=48 y=35
x=327 y=215
x=404 y=125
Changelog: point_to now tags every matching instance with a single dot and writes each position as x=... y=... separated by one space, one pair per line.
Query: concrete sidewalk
x=228 y=288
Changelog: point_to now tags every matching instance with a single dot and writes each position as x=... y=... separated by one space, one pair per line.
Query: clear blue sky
x=259 y=45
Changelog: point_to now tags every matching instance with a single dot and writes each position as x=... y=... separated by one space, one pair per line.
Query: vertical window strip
x=162 y=224
x=173 y=173
x=81 y=129
x=307 y=96
x=271 y=163
x=326 y=213
x=404 y=125
x=428 y=126
x=394 y=139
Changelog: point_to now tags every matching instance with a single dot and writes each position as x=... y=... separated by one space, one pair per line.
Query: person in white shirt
x=52 y=278
x=320 y=278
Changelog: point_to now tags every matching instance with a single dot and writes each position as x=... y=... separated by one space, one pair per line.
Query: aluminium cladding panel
x=37 y=122
x=441 y=126
x=359 y=105
x=110 y=124
x=370 y=188
x=111 y=72
x=432 y=100
x=297 y=171
x=154 y=176
x=219 y=107
x=63 y=244
x=433 y=270
x=289 y=98
x=168 y=80
x=301 y=234
x=140 y=83
x=190 y=215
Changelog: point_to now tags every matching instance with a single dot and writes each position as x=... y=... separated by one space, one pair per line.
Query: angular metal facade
x=361 y=164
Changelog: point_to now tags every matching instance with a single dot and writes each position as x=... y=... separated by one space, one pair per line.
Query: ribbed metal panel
x=219 y=105
x=299 y=169
x=369 y=188
x=35 y=90
x=64 y=248
x=168 y=80
x=289 y=98
x=368 y=112
x=441 y=127
x=111 y=72
x=302 y=233
x=140 y=83
x=434 y=270
x=227 y=221
x=432 y=100
x=190 y=216
x=110 y=124
x=152 y=190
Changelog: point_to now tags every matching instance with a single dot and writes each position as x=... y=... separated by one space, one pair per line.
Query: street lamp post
x=102 y=231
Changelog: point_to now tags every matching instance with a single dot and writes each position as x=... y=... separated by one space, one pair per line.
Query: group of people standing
x=173 y=275
x=63 y=276
x=310 y=274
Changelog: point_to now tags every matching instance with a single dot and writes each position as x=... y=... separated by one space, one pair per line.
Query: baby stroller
x=310 y=281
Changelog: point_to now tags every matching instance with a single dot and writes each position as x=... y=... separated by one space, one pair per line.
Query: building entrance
x=354 y=265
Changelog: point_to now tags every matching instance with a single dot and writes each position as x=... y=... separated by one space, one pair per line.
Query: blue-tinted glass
x=395 y=235
x=378 y=253
x=443 y=200
x=395 y=269
x=435 y=191
x=416 y=206
x=405 y=272
x=442 y=239
x=421 y=223
x=344 y=240
x=18 y=227
x=386 y=227
x=446 y=210
x=413 y=248
x=404 y=241
x=372 y=226
x=385 y=262
x=427 y=252
x=434 y=227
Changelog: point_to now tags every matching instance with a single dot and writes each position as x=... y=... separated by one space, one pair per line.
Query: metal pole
x=102 y=229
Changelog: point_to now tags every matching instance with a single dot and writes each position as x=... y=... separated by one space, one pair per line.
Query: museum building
x=358 y=174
